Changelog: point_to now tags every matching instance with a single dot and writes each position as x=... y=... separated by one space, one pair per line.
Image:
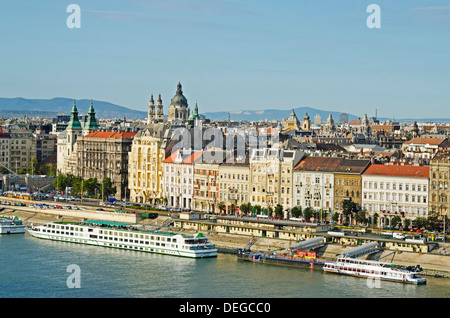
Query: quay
x=229 y=235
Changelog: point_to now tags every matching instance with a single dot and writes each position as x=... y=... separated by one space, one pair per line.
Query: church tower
x=178 y=109
x=151 y=111
x=74 y=129
x=91 y=122
x=159 y=116
x=306 y=123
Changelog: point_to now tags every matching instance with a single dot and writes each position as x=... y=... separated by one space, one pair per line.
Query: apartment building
x=314 y=183
x=149 y=149
x=104 y=154
x=439 y=193
x=391 y=190
x=234 y=185
x=348 y=182
x=271 y=172
x=179 y=178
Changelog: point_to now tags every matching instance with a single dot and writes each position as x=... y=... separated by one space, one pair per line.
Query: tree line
x=84 y=187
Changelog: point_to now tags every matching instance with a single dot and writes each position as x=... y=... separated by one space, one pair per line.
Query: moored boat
x=375 y=270
x=11 y=225
x=125 y=236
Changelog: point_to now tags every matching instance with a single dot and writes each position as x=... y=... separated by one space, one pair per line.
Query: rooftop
x=398 y=171
x=352 y=166
x=426 y=140
x=325 y=164
x=111 y=134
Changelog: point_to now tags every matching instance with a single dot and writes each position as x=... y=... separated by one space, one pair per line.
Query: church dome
x=179 y=99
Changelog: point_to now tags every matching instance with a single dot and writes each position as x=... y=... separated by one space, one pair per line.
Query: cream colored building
x=179 y=178
x=271 y=177
x=234 y=185
x=206 y=187
x=145 y=164
x=22 y=148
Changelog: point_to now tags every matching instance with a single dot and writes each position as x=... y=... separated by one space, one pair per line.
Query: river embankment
x=434 y=264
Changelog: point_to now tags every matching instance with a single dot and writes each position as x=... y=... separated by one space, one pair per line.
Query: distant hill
x=278 y=114
x=18 y=106
x=48 y=108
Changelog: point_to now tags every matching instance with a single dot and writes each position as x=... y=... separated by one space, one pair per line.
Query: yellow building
x=271 y=177
x=234 y=185
x=292 y=122
x=439 y=194
x=145 y=163
x=347 y=182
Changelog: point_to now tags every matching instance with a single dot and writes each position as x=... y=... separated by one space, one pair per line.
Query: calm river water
x=34 y=268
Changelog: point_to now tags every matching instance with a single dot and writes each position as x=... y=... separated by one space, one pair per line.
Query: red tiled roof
x=398 y=171
x=327 y=164
x=187 y=159
x=111 y=134
x=426 y=140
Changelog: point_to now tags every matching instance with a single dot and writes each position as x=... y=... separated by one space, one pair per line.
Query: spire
x=74 y=122
x=179 y=90
x=151 y=107
x=91 y=121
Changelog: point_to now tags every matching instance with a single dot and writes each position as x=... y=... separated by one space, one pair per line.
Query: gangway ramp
x=366 y=249
x=308 y=244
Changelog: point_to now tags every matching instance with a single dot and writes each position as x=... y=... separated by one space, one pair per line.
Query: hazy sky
x=232 y=55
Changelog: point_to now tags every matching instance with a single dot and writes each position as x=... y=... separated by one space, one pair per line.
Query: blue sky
x=233 y=55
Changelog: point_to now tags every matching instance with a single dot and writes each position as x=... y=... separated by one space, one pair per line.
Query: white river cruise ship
x=11 y=225
x=124 y=236
x=374 y=269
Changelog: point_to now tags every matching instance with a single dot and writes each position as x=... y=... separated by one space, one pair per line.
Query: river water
x=35 y=268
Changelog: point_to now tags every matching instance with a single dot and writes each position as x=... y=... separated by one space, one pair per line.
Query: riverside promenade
x=435 y=264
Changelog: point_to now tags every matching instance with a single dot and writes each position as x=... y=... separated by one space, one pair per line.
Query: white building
x=179 y=178
x=422 y=147
x=313 y=183
x=390 y=190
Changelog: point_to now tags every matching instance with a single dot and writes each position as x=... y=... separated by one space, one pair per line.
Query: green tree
x=91 y=185
x=245 y=208
x=107 y=187
x=308 y=213
x=396 y=221
x=60 y=182
x=34 y=167
x=361 y=217
x=349 y=208
x=335 y=217
x=421 y=222
x=296 y=212
x=279 y=210
x=221 y=206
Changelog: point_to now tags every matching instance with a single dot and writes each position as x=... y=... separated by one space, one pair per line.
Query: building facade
x=66 y=143
x=179 y=178
x=348 y=182
x=104 y=154
x=313 y=183
x=439 y=194
x=206 y=186
x=271 y=172
x=22 y=148
x=234 y=184
x=422 y=147
x=145 y=164
x=390 y=190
